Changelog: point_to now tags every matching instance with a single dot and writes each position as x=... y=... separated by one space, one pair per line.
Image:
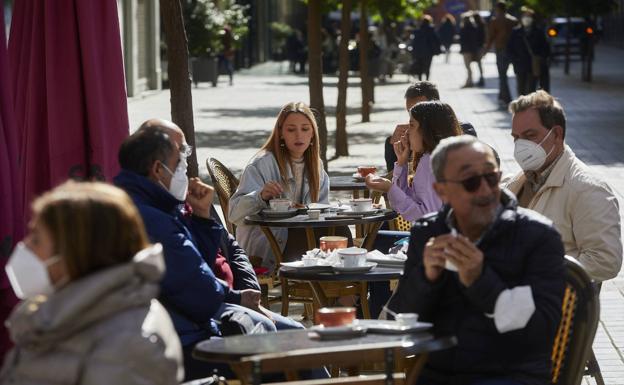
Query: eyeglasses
x=186 y=150
x=473 y=183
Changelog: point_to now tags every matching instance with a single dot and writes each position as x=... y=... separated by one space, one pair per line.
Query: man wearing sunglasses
x=555 y=183
x=484 y=270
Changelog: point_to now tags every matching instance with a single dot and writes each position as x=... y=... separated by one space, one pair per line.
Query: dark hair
x=501 y=5
x=140 y=150
x=420 y=89
x=436 y=121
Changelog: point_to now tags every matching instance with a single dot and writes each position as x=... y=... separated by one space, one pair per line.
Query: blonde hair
x=312 y=158
x=93 y=225
x=550 y=111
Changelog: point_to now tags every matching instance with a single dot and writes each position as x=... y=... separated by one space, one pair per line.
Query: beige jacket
x=105 y=328
x=584 y=210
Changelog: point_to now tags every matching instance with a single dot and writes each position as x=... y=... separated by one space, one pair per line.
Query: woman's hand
x=378 y=183
x=271 y=190
x=402 y=149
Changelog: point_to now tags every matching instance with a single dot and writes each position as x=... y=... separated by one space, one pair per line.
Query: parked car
x=576 y=31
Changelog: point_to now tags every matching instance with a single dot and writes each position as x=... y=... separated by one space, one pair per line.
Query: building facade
x=139 y=21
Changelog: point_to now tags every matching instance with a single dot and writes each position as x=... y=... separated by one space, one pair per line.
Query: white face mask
x=28 y=274
x=530 y=155
x=179 y=181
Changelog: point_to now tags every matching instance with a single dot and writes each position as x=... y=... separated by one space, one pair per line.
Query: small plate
x=355 y=269
x=319 y=206
x=358 y=178
x=392 y=327
x=321 y=267
x=337 y=332
x=387 y=260
x=367 y=212
x=291 y=212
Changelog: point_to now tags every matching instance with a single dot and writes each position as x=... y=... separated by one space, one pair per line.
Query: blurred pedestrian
x=88 y=277
x=520 y=54
x=226 y=56
x=540 y=49
x=480 y=25
x=296 y=52
x=425 y=45
x=446 y=33
x=498 y=32
x=469 y=46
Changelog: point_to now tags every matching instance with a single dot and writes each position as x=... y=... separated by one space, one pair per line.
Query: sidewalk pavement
x=232 y=122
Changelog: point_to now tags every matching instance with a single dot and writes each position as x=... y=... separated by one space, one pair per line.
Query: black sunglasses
x=473 y=183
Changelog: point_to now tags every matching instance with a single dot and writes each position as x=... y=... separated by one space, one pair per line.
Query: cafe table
x=349 y=183
x=287 y=351
x=315 y=278
x=330 y=220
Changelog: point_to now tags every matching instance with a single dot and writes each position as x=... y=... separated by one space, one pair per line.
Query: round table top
x=235 y=348
x=346 y=183
x=303 y=221
x=378 y=273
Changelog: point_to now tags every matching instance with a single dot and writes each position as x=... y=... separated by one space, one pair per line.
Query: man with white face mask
x=207 y=273
x=555 y=183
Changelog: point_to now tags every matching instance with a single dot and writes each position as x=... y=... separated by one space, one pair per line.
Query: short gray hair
x=446 y=145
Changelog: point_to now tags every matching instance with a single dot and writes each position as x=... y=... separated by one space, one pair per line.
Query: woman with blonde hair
x=289 y=166
x=88 y=278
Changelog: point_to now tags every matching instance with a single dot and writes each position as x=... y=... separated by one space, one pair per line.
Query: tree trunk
x=366 y=97
x=315 y=73
x=342 y=145
x=179 y=78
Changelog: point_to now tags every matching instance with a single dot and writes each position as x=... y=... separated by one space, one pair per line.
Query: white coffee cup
x=314 y=214
x=279 y=204
x=353 y=256
x=361 y=204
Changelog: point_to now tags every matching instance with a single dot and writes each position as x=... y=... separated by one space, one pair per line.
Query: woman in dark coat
x=425 y=45
x=446 y=32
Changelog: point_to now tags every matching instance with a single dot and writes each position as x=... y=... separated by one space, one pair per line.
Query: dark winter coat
x=189 y=290
x=521 y=248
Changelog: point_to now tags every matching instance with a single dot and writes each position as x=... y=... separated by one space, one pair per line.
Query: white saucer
x=320 y=267
x=392 y=327
x=365 y=212
x=355 y=269
x=291 y=212
x=319 y=206
x=387 y=260
x=358 y=177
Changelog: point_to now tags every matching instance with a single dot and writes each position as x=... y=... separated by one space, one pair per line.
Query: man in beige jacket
x=555 y=183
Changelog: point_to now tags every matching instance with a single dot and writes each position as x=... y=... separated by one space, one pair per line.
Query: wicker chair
x=225 y=184
x=579 y=319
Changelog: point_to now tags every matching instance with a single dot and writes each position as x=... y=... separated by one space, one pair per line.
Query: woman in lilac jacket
x=430 y=122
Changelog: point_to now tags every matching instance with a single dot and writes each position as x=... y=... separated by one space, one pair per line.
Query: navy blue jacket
x=189 y=289
x=521 y=248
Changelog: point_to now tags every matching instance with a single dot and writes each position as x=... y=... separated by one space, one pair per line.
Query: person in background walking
x=446 y=33
x=227 y=56
x=470 y=48
x=480 y=25
x=425 y=45
x=540 y=49
x=498 y=32
x=519 y=54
